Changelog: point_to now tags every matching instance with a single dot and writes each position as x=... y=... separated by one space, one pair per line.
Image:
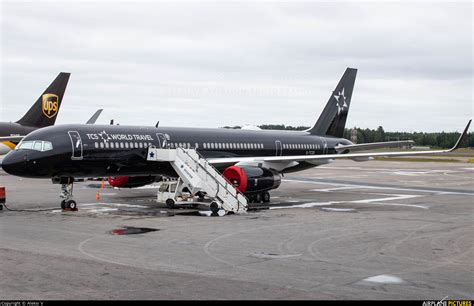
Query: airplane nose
x=14 y=163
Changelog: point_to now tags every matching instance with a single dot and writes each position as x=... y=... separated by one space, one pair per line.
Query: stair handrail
x=209 y=164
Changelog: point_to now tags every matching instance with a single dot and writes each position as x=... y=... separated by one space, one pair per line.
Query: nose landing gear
x=67 y=186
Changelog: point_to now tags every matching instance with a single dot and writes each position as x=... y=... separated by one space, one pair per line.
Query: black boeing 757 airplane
x=252 y=160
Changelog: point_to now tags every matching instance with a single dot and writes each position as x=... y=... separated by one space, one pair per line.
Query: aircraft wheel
x=214 y=207
x=71 y=204
x=258 y=198
x=266 y=197
x=63 y=204
x=170 y=203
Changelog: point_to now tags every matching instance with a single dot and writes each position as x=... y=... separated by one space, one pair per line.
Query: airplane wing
x=356 y=156
x=94 y=117
x=373 y=145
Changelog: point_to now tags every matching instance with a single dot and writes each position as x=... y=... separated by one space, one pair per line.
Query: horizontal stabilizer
x=12 y=138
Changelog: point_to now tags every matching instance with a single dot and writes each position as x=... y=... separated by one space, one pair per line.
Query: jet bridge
x=198 y=174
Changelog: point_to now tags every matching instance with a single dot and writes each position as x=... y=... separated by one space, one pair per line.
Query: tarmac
x=346 y=230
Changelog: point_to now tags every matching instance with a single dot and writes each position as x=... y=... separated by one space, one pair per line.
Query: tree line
x=435 y=140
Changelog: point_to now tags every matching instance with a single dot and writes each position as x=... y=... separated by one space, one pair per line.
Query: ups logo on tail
x=50 y=105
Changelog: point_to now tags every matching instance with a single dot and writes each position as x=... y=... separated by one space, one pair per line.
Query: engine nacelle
x=250 y=180
x=131 y=181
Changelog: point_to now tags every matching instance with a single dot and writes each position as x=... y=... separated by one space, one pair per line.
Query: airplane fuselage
x=112 y=150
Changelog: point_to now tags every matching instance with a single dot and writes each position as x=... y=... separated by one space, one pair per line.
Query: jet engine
x=132 y=181
x=252 y=180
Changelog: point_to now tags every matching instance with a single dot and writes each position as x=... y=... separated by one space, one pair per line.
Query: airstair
x=198 y=174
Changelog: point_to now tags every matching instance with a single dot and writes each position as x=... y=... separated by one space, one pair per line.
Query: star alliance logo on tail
x=341 y=102
x=50 y=105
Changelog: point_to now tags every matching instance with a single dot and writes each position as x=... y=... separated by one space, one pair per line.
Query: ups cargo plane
x=72 y=151
x=43 y=113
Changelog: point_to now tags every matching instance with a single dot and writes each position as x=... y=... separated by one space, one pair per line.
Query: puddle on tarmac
x=130 y=230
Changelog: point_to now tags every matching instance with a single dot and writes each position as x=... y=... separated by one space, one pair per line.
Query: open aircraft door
x=163 y=140
x=76 y=143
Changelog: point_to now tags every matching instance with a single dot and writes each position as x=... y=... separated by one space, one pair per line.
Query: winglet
x=94 y=117
x=462 y=138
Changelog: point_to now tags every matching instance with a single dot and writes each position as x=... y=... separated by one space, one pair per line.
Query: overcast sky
x=211 y=64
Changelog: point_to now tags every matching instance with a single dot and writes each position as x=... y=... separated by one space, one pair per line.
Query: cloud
x=211 y=64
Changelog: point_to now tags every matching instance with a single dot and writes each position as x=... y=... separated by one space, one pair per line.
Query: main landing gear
x=67 y=186
x=262 y=197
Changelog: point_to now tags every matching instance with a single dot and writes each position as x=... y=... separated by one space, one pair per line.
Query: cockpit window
x=26 y=145
x=47 y=146
x=37 y=145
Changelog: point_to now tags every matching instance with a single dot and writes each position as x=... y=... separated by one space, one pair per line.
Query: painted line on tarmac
x=374 y=186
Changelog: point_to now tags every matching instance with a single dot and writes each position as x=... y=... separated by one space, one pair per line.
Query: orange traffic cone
x=103 y=184
x=97 y=196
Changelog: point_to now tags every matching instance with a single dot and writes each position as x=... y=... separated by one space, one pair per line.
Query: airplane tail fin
x=332 y=120
x=44 y=111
